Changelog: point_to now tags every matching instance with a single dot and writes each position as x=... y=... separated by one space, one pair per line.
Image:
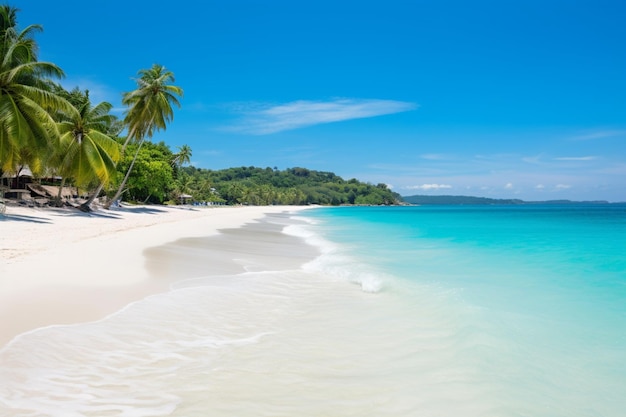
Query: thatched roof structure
x=51 y=190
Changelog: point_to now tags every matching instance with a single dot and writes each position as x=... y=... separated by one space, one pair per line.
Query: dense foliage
x=152 y=177
x=263 y=186
x=60 y=133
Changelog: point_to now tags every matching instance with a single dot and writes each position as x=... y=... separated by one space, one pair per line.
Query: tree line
x=60 y=133
x=266 y=186
x=161 y=176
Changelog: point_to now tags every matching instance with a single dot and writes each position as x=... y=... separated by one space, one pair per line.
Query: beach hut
x=14 y=184
x=185 y=198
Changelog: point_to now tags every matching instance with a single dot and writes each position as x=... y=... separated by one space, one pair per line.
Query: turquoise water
x=537 y=293
x=407 y=311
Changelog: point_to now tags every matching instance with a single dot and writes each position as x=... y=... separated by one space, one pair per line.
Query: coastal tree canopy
x=253 y=185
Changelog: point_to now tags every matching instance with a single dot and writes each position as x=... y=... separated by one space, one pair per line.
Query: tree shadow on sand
x=23 y=218
x=139 y=210
x=148 y=209
x=115 y=213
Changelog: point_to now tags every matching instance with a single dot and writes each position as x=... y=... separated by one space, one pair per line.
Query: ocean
x=385 y=311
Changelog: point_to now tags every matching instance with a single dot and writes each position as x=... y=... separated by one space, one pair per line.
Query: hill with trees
x=264 y=186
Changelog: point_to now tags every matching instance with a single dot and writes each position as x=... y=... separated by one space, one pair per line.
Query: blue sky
x=522 y=99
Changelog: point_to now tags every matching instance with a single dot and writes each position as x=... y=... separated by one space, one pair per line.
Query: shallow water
x=407 y=312
x=540 y=293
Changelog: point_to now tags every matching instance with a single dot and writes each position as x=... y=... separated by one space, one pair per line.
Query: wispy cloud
x=601 y=134
x=576 y=158
x=263 y=119
x=428 y=187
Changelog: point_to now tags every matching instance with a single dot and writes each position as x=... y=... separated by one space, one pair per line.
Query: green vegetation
x=263 y=186
x=150 y=109
x=56 y=132
x=62 y=134
x=86 y=151
x=27 y=104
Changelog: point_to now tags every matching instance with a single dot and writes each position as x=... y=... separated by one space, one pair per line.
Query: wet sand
x=64 y=267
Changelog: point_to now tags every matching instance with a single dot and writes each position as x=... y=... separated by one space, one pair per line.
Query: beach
x=179 y=312
x=279 y=311
x=61 y=266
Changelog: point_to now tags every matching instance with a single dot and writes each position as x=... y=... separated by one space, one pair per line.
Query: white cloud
x=563 y=186
x=265 y=119
x=428 y=187
x=509 y=186
x=601 y=134
x=576 y=158
x=540 y=186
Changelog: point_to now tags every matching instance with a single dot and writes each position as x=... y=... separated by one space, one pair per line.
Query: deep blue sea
x=535 y=294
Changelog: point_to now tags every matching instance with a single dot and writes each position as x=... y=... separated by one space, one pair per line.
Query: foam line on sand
x=65 y=267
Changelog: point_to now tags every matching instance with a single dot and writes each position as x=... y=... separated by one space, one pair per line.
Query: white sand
x=64 y=266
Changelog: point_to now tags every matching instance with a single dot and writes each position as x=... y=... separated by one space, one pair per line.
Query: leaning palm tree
x=88 y=154
x=183 y=156
x=150 y=110
x=25 y=98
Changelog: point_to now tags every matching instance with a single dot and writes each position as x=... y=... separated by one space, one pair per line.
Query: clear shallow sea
x=409 y=311
x=534 y=296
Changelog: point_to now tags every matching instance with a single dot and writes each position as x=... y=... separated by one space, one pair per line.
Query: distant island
x=467 y=200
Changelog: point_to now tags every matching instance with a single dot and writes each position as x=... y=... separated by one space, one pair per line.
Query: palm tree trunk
x=120 y=190
x=59 y=198
x=128 y=139
x=86 y=206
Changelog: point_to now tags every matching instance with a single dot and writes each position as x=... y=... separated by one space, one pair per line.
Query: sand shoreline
x=66 y=267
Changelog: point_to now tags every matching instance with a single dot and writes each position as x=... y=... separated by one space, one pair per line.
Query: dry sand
x=63 y=266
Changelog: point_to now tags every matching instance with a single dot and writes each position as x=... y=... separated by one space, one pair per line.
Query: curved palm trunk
x=86 y=206
x=60 y=193
x=58 y=200
x=121 y=190
x=128 y=139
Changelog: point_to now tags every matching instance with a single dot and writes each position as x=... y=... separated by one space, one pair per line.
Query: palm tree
x=87 y=152
x=150 y=110
x=183 y=156
x=26 y=101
